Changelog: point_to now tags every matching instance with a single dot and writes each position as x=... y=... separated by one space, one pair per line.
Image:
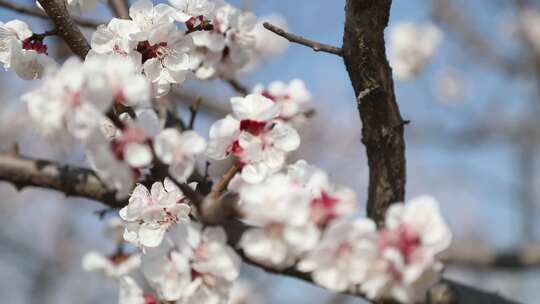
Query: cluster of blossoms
x=181 y=261
x=79 y=98
x=22 y=50
x=411 y=46
x=294 y=216
x=214 y=40
x=530 y=26
x=256 y=135
x=310 y=227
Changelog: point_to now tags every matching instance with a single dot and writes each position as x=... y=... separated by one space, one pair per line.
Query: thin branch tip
x=314 y=45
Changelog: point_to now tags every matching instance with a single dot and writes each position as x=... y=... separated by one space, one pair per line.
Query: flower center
x=323 y=209
x=35 y=45
x=253 y=127
x=404 y=239
x=148 y=51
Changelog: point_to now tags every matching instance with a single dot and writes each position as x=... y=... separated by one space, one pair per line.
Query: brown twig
x=193 y=110
x=237 y=86
x=119 y=8
x=67 y=29
x=71 y=180
x=223 y=182
x=316 y=46
x=41 y=14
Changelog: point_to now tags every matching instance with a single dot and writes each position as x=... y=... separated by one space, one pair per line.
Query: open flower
x=149 y=214
x=22 y=51
x=73 y=98
x=343 y=257
x=285 y=232
x=328 y=202
x=414 y=235
x=178 y=150
x=195 y=266
x=292 y=97
x=192 y=12
x=165 y=57
x=115 y=38
x=259 y=142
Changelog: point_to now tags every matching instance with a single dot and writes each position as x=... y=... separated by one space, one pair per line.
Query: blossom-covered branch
x=316 y=46
x=23 y=9
x=66 y=26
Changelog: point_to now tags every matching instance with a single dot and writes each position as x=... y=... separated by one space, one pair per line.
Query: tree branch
x=40 y=14
x=477 y=257
x=382 y=125
x=71 y=180
x=316 y=46
x=237 y=86
x=67 y=29
x=81 y=182
x=119 y=8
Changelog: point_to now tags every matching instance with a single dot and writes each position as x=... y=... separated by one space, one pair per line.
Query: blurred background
x=472 y=143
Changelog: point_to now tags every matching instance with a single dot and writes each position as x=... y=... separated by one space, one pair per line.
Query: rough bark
x=67 y=29
x=382 y=126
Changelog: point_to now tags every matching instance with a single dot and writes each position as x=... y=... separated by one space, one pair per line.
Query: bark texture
x=382 y=126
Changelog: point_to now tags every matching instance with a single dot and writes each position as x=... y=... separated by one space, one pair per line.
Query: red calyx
x=252 y=126
x=35 y=44
x=149 y=51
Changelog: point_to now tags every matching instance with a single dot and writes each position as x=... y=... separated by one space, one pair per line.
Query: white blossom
x=254 y=136
x=292 y=97
x=192 y=12
x=116 y=38
x=286 y=231
x=411 y=46
x=414 y=235
x=342 y=259
x=72 y=98
x=149 y=214
x=22 y=51
x=228 y=46
x=115 y=266
x=193 y=266
x=178 y=150
x=243 y=292
x=130 y=292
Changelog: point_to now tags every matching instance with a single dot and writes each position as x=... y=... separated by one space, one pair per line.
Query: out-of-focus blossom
x=115 y=266
x=195 y=266
x=293 y=98
x=328 y=202
x=178 y=150
x=450 y=86
x=342 y=259
x=72 y=98
x=530 y=25
x=149 y=214
x=22 y=51
x=228 y=46
x=283 y=233
x=411 y=46
x=243 y=292
x=131 y=293
x=254 y=136
x=409 y=245
x=193 y=12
